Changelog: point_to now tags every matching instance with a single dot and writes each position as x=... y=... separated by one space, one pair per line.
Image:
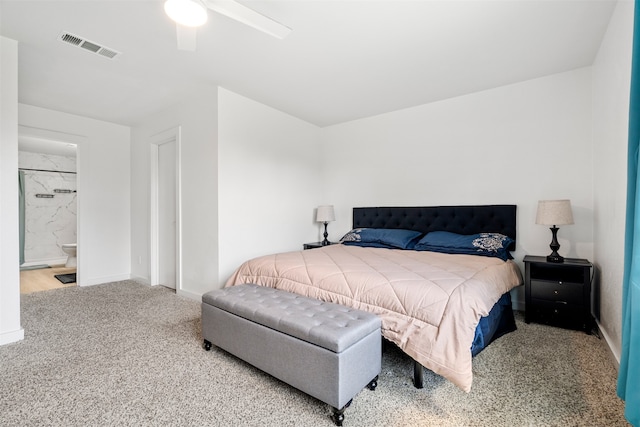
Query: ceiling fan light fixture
x=190 y=13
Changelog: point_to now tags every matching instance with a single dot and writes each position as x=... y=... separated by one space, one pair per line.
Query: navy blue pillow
x=484 y=244
x=382 y=238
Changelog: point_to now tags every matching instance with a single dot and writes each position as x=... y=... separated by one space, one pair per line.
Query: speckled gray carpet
x=127 y=354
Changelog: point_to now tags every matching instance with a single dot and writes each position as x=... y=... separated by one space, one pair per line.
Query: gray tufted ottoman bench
x=328 y=351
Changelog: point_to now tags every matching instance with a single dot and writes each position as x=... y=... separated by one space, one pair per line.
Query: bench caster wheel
x=338 y=418
x=373 y=384
x=207 y=345
x=338 y=414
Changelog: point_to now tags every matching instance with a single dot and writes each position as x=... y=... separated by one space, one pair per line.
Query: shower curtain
x=21 y=214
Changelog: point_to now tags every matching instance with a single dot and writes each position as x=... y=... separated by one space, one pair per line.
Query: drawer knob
x=556 y=292
x=560 y=282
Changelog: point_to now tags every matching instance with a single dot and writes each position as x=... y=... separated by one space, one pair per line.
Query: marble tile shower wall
x=49 y=222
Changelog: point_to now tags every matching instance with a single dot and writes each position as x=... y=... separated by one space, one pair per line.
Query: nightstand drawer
x=557 y=313
x=568 y=292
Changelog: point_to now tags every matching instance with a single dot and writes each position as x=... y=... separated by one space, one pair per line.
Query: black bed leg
x=207 y=345
x=418 y=378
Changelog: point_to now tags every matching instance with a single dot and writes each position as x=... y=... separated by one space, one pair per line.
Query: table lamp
x=554 y=212
x=325 y=214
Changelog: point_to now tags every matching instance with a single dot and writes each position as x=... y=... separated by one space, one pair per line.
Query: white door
x=167 y=214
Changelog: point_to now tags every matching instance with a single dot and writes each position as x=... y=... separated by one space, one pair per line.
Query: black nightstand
x=558 y=294
x=314 y=245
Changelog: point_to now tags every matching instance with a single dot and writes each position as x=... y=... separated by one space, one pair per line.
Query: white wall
x=104 y=234
x=269 y=181
x=197 y=118
x=10 y=329
x=515 y=144
x=611 y=85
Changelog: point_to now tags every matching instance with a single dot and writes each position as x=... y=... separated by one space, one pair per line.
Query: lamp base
x=326 y=241
x=555 y=258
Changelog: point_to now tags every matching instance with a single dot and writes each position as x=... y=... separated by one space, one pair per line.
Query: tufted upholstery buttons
x=456 y=219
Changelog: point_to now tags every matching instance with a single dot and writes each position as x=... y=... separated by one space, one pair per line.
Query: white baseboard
x=100 y=280
x=10 y=337
x=614 y=353
x=48 y=261
x=188 y=294
x=517 y=305
x=140 y=279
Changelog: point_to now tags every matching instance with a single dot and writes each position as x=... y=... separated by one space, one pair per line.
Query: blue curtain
x=629 y=375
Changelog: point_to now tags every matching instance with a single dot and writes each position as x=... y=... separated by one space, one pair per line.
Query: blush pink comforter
x=429 y=303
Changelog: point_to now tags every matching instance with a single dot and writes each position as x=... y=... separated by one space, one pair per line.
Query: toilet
x=70 y=249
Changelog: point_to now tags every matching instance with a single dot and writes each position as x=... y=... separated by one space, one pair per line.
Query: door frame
x=164 y=137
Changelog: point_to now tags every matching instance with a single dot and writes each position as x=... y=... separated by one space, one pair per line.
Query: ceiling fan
x=190 y=14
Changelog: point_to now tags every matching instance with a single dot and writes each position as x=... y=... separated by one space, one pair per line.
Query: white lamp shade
x=325 y=214
x=190 y=13
x=554 y=212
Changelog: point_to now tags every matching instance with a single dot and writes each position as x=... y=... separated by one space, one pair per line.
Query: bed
x=441 y=303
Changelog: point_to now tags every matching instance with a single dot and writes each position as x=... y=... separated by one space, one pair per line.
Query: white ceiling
x=344 y=59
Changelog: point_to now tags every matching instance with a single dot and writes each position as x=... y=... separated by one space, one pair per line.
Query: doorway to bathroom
x=47 y=174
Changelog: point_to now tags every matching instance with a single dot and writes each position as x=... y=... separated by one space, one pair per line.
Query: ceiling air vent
x=88 y=45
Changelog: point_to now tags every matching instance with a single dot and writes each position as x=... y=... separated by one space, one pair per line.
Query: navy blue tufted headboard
x=456 y=219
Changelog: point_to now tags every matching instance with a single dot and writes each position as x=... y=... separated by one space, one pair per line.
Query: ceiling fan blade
x=250 y=17
x=186 y=37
